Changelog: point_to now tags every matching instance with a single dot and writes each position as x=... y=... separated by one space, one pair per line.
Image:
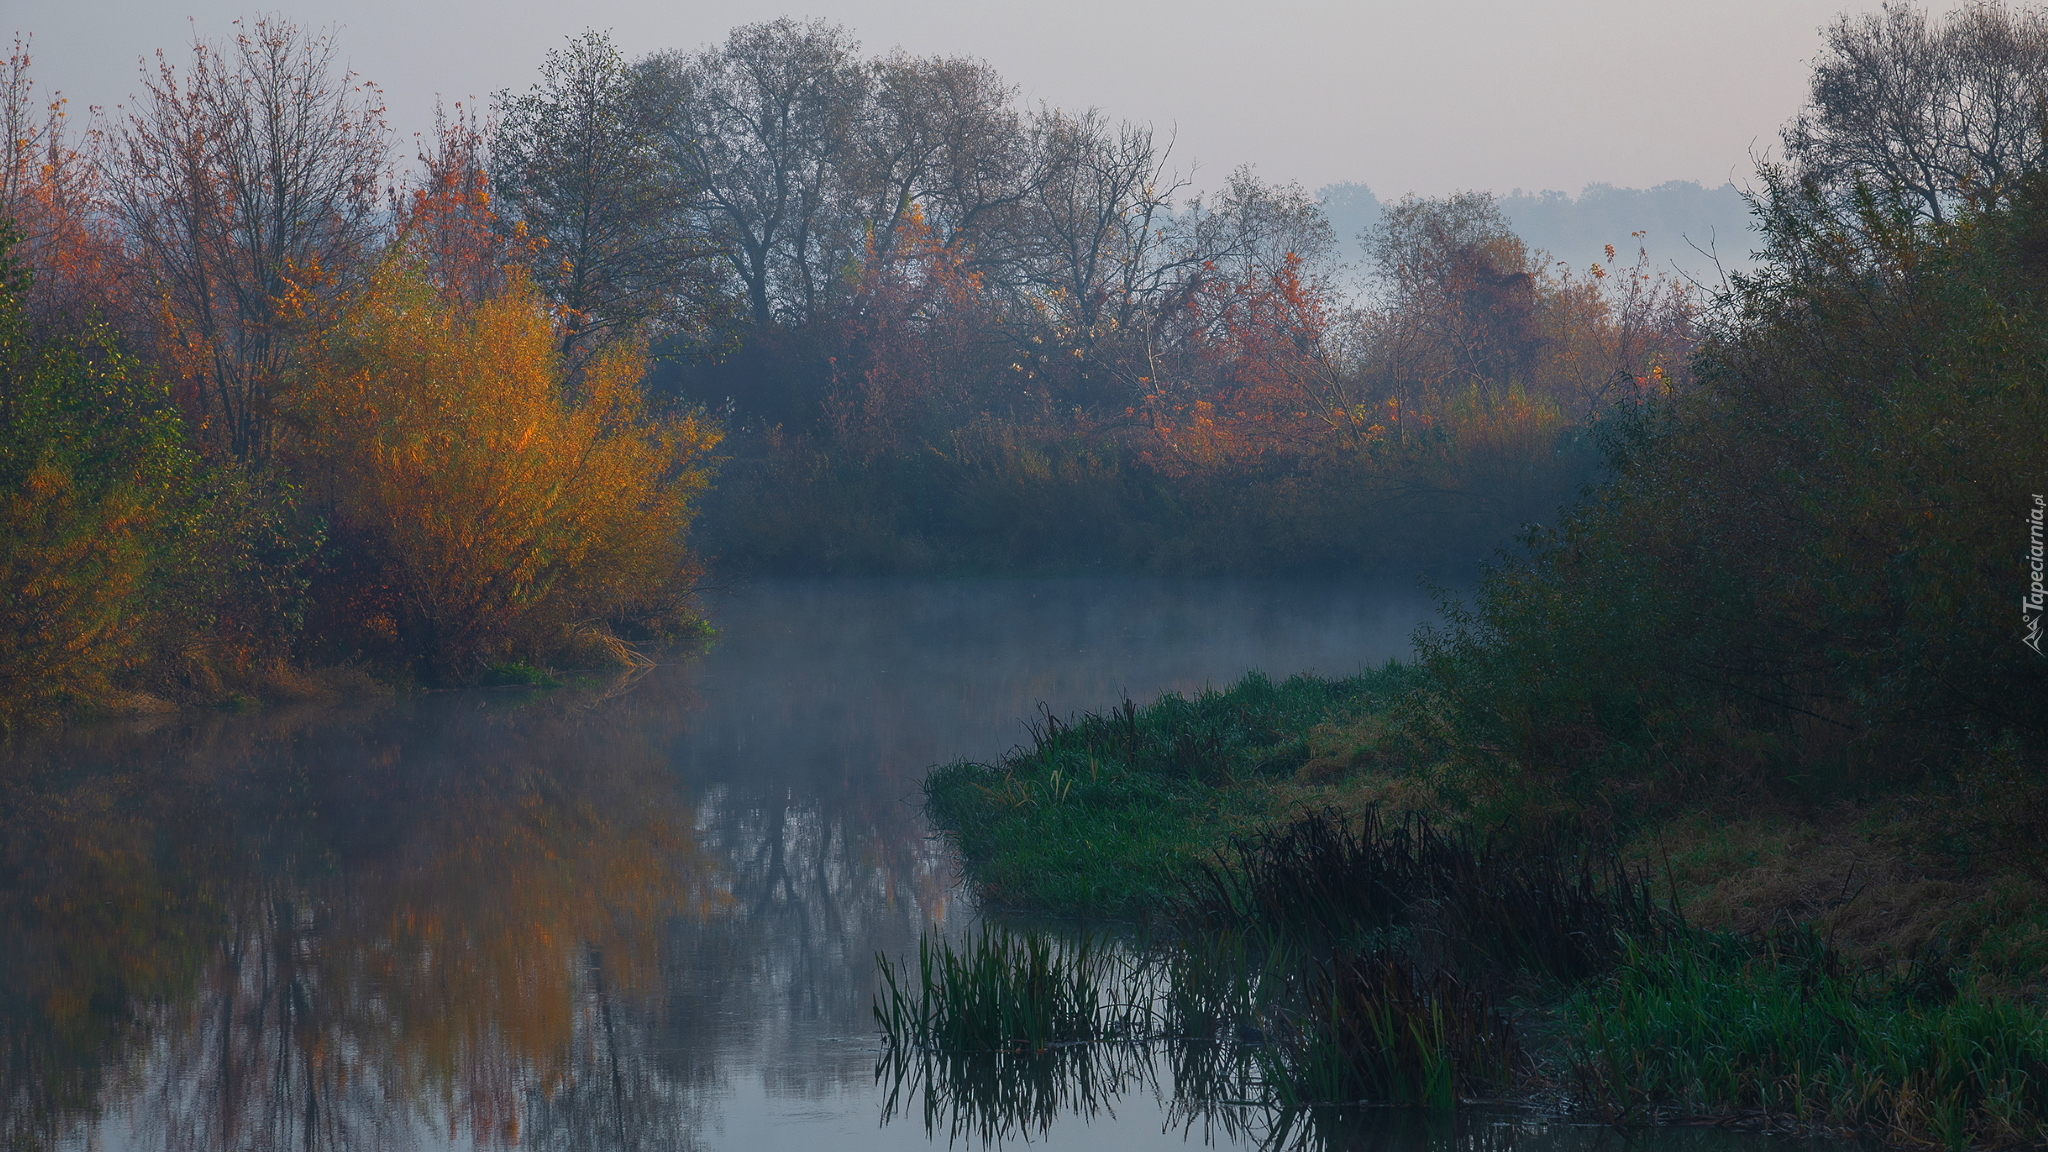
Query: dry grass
x=1865 y=880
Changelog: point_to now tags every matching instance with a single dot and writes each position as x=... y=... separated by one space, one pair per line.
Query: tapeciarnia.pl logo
x=2031 y=604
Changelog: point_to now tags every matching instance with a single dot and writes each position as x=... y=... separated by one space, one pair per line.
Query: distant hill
x=1675 y=217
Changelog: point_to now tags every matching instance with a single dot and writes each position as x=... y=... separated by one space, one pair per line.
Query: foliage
x=484 y=510
x=1794 y=582
x=577 y=164
x=1235 y=418
x=1947 y=115
x=112 y=535
x=251 y=175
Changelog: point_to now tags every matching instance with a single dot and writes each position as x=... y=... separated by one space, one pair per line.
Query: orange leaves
x=508 y=510
x=450 y=223
x=1253 y=374
x=921 y=314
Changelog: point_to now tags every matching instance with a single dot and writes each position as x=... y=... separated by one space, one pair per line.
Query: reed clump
x=1005 y=1031
x=1004 y=991
x=1374 y=959
x=1377 y=1028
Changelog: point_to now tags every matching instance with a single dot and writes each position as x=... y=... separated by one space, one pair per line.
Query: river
x=638 y=913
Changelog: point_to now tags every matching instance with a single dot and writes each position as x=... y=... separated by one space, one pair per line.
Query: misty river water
x=637 y=915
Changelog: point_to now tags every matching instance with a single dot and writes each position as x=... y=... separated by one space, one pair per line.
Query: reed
x=1478 y=906
x=1004 y=991
x=1375 y=1028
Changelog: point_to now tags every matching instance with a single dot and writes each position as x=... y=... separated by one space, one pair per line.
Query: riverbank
x=1909 y=973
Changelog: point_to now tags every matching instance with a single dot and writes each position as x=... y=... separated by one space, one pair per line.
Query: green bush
x=1801 y=577
x=114 y=538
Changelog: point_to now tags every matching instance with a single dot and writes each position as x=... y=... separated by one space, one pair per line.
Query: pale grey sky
x=1404 y=96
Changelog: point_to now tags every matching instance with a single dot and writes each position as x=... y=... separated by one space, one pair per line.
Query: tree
x=448 y=216
x=100 y=506
x=1461 y=294
x=487 y=513
x=760 y=127
x=1936 y=114
x=939 y=138
x=577 y=161
x=54 y=192
x=257 y=168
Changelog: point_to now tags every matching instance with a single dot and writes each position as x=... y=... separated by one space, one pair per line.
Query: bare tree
x=1935 y=114
x=257 y=168
x=577 y=160
x=1098 y=216
x=1460 y=295
x=941 y=137
x=760 y=127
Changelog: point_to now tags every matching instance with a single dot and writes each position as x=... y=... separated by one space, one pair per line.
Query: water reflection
x=633 y=915
x=322 y=930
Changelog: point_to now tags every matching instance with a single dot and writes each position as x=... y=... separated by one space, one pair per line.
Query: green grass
x=516 y=674
x=1716 y=1024
x=1107 y=815
x=1314 y=957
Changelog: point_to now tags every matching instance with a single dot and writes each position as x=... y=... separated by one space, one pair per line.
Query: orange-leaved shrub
x=486 y=503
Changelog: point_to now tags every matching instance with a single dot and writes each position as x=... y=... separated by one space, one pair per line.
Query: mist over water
x=640 y=914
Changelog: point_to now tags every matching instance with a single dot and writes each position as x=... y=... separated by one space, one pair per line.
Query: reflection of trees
x=817 y=890
x=377 y=924
x=365 y=926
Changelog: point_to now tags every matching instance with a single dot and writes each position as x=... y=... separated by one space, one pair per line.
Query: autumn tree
x=449 y=217
x=52 y=188
x=255 y=168
x=102 y=511
x=488 y=513
x=922 y=335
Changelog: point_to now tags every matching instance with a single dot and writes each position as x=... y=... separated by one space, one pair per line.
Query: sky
x=1402 y=96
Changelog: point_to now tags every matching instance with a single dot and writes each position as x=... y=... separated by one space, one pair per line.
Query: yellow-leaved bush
x=484 y=506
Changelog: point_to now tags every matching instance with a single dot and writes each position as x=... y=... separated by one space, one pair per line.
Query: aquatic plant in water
x=1004 y=991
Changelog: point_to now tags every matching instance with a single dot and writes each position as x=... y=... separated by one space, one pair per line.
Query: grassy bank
x=1103 y=815
x=1830 y=967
